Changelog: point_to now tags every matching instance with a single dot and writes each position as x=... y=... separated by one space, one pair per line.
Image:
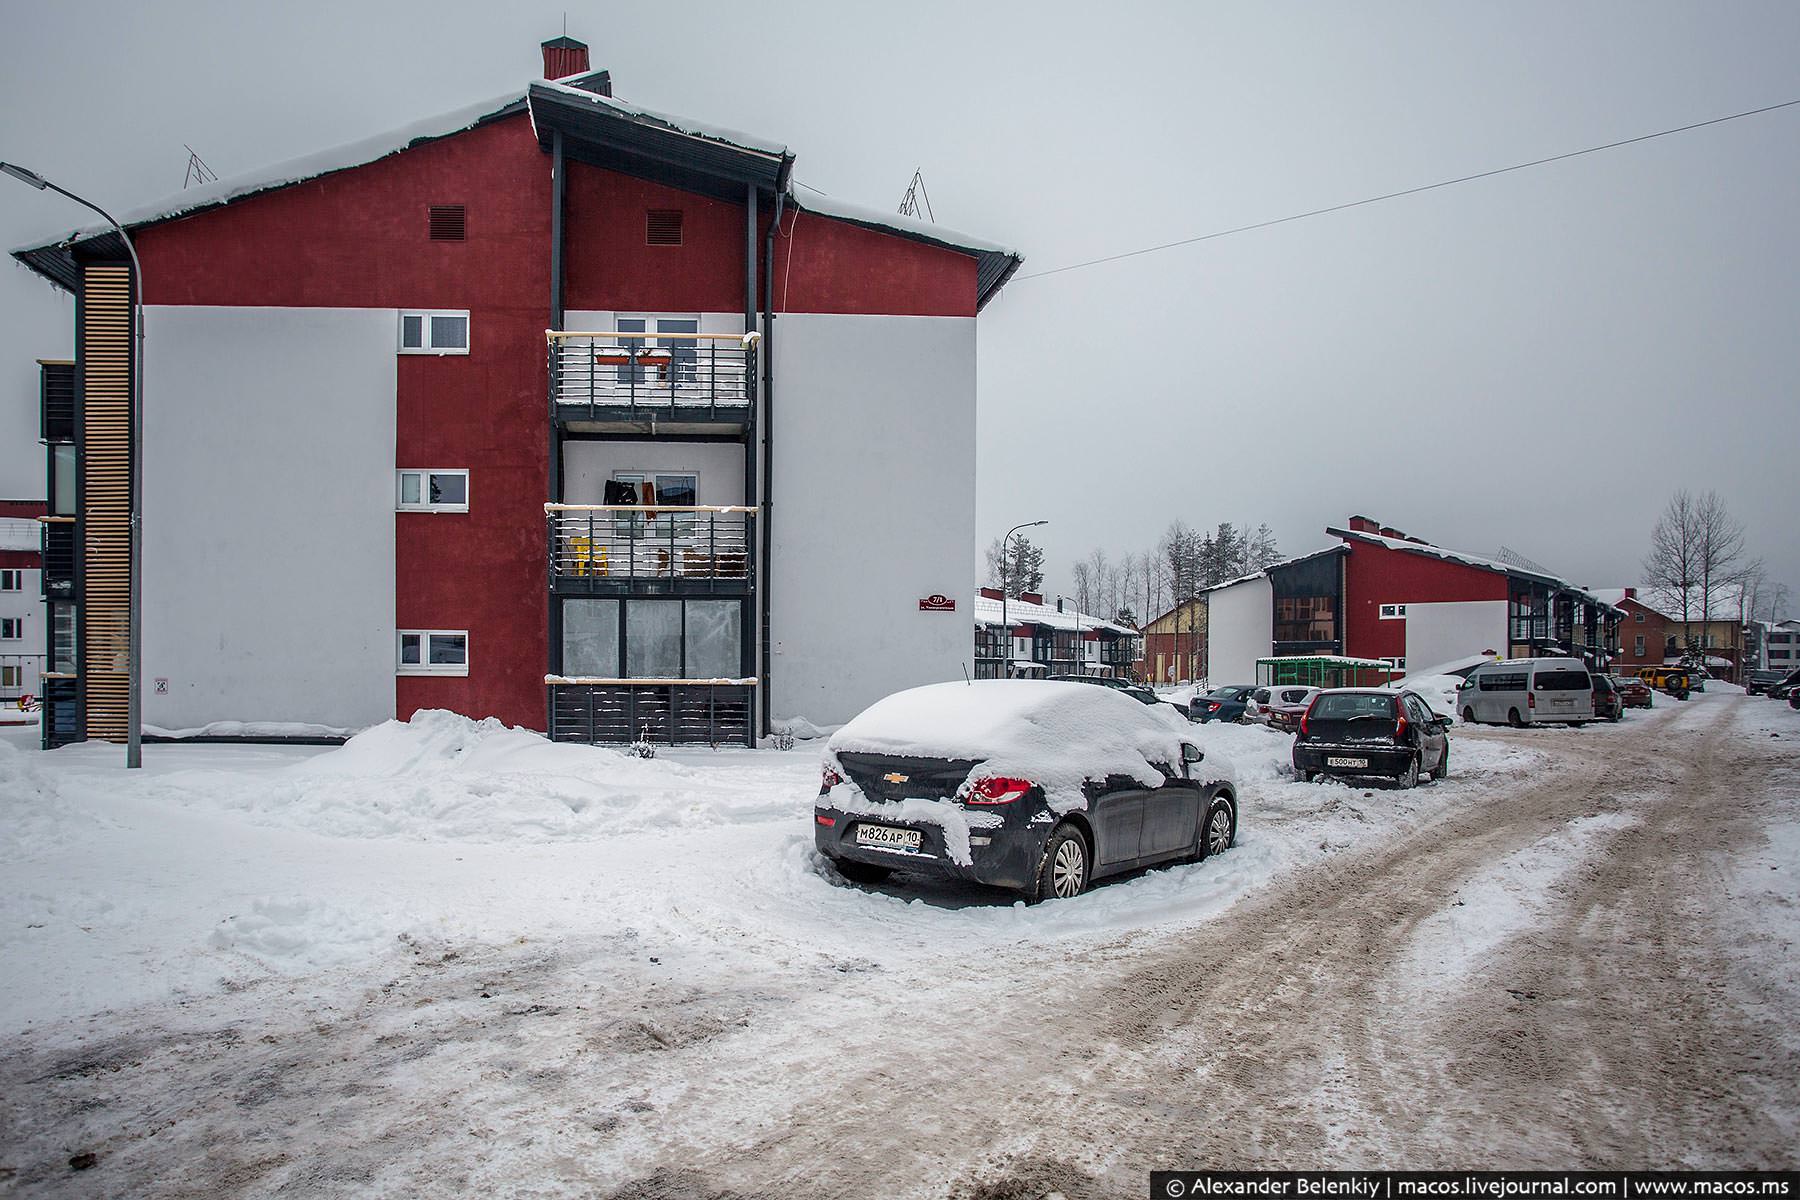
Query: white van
x=1527 y=691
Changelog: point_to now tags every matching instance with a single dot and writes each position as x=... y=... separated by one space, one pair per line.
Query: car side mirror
x=1191 y=754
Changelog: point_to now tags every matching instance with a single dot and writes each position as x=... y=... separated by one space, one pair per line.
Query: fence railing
x=59 y=557
x=663 y=711
x=652 y=376
x=590 y=544
x=61 y=719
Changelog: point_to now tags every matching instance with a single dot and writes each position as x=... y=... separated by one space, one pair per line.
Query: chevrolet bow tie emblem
x=896 y=777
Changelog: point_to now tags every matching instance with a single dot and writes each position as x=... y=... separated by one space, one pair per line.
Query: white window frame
x=12 y=629
x=425 y=346
x=1393 y=612
x=425 y=666
x=425 y=474
x=1396 y=662
x=12 y=675
x=12 y=579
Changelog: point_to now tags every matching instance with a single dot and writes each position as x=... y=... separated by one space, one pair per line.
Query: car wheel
x=1442 y=770
x=1512 y=718
x=1468 y=716
x=1063 y=872
x=860 y=872
x=1308 y=776
x=1219 y=830
x=1409 y=778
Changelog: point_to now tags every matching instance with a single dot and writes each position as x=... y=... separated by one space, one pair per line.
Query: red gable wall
x=358 y=239
x=1375 y=575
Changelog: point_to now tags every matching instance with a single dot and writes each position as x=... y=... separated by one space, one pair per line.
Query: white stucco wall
x=1445 y=632
x=874 y=508
x=1240 y=628
x=268 y=568
x=588 y=465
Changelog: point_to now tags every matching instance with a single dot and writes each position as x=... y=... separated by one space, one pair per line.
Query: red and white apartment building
x=554 y=409
x=22 y=629
x=1380 y=596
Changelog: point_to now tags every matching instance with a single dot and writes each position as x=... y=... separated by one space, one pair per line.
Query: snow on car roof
x=1058 y=735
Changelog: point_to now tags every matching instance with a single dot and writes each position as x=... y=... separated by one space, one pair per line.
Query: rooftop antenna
x=915 y=196
x=1513 y=558
x=197 y=170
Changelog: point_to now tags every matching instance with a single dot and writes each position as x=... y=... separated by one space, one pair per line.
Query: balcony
x=623 y=381
x=59 y=557
x=614 y=549
x=56 y=394
x=666 y=711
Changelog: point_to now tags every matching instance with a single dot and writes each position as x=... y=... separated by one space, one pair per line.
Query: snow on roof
x=843 y=210
x=297 y=170
x=687 y=125
x=1058 y=735
x=1023 y=612
x=1457 y=556
x=21 y=533
x=1666 y=602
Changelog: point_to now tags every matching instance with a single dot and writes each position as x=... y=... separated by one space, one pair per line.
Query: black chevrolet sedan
x=1371 y=731
x=1032 y=785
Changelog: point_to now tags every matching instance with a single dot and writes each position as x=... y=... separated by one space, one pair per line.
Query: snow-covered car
x=1033 y=785
x=1279 y=706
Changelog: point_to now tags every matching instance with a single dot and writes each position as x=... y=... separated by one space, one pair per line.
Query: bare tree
x=1672 y=567
x=1720 y=546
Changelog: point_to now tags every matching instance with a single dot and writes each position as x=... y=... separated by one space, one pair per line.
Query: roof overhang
x=605 y=132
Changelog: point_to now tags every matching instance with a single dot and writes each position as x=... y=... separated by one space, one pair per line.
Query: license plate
x=887 y=835
x=1346 y=762
x=1563 y=703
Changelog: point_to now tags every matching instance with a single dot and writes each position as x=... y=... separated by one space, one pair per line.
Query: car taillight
x=1400 y=728
x=997 y=789
x=1530 y=699
x=829 y=779
x=1213 y=707
x=824 y=820
x=1305 y=715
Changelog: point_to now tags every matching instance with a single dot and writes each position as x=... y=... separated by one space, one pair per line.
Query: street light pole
x=134 y=634
x=1005 y=572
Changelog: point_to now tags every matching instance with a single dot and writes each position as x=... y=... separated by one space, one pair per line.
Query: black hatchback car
x=1033 y=785
x=1371 y=731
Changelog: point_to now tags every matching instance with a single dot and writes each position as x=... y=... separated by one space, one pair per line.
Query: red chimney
x=1032 y=597
x=1631 y=593
x=563 y=57
x=1363 y=525
x=989 y=593
x=1388 y=531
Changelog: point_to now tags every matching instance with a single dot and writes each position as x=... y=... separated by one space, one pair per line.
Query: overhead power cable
x=1412 y=191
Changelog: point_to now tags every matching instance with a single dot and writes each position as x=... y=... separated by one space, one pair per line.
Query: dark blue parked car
x=1221 y=704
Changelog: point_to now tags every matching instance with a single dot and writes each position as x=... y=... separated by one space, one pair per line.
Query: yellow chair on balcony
x=585 y=558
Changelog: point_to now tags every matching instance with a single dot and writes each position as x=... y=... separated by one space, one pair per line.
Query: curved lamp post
x=1006 y=570
x=134 y=708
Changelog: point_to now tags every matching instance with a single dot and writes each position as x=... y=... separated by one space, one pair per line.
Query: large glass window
x=591 y=639
x=62 y=639
x=714 y=644
x=62 y=481
x=1305 y=619
x=653 y=639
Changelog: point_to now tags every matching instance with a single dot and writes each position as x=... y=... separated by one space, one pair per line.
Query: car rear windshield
x=1348 y=705
x=1561 y=681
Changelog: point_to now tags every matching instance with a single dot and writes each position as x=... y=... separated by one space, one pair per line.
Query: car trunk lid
x=902 y=777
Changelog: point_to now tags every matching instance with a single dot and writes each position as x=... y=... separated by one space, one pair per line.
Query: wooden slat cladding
x=106 y=499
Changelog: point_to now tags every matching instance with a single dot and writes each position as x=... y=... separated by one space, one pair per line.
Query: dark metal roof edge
x=611 y=108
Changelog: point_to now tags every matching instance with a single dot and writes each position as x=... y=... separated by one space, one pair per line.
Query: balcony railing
x=595 y=547
x=59 y=557
x=62 y=723
x=699 y=377
x=666 y=711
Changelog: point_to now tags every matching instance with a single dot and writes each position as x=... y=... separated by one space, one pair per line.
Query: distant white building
x=21 y=602
x=1782 y=645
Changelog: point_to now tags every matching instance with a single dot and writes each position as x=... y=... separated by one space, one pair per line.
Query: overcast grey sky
x=1534 y=360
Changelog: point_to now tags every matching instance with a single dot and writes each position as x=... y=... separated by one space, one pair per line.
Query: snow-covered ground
x=216 y=865
x=448 y=909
